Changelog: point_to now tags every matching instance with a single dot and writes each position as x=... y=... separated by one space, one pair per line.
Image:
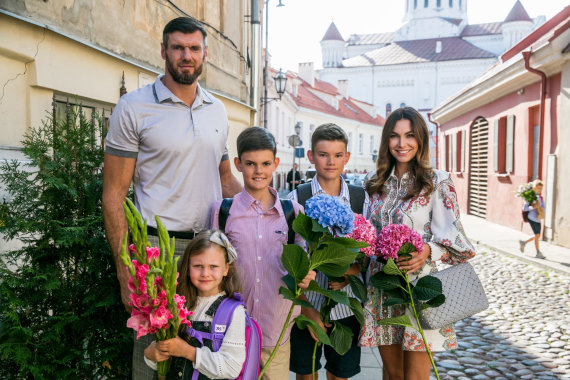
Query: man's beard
x=183 y=78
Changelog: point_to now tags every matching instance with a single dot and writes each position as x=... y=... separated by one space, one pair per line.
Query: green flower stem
x=420 y=329
x=314 y=356
x=285 y=327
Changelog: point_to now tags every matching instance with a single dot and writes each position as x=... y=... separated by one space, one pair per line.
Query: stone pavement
x=525 y=333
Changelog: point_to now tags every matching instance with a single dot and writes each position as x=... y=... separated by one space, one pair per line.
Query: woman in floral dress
x=406 y=190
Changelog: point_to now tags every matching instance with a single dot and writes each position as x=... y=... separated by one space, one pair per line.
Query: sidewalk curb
x=546 y=264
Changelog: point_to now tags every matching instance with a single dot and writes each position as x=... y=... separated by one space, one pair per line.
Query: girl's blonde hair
x=537 y=182
x=230 y=283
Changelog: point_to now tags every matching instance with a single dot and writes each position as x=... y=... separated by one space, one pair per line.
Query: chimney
x=343 y=87
x=438 y=47
x=307 y=73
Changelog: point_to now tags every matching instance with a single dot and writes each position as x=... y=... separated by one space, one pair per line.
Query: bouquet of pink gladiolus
x=156 y=308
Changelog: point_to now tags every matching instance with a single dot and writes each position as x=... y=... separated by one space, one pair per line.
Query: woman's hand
x=417 y=260
x=153 y=353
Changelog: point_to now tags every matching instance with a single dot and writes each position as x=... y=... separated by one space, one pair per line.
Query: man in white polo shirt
x=170 y=139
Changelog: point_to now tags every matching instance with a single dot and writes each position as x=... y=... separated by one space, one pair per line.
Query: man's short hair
x=185 y=25
x=255 y=138
x=328 y=132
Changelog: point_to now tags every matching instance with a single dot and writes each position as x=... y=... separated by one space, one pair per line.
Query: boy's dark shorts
x=302 y=345
x=536 y=227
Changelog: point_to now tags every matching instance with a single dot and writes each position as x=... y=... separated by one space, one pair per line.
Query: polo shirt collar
x=246 y=200
x=162 y=93
x=317 y=189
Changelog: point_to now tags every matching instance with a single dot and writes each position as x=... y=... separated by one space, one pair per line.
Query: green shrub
x=61 y=316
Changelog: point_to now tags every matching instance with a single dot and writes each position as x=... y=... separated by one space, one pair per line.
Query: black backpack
x=356 y=193
x=286 y=204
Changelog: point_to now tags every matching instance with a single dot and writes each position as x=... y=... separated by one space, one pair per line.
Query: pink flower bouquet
x=156 y=308
x=395 y=240
x=364 y=232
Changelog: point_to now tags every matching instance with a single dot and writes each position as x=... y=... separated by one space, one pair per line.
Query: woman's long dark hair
x=230 y=284
x=419 y=167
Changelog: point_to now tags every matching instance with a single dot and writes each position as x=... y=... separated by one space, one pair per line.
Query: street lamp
x=280 y=80
x=265 y=98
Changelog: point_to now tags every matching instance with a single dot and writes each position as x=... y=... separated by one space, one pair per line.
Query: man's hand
x=417 y=260
x=308 y=278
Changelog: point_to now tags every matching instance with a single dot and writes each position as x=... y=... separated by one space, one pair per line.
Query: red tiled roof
x=482 y=29
x=370 y=39
x=517 y=13
x=332 y=33
x=325 y=87
x=416 y=51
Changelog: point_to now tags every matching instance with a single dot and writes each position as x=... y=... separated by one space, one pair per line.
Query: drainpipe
x=526 y=55
x=436 y=139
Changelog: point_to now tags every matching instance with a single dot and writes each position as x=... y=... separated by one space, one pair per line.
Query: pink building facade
x=492 y=136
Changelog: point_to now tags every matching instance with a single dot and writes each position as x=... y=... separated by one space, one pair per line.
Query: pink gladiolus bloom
x=159 y=317
x=139 y=322
x=141 y=302
x=365 y=232
x=132 y=248
x=152 y=253
x=132 y=285
x=393 y=237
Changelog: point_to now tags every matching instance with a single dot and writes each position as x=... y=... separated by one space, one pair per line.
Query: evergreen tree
x=61 y=315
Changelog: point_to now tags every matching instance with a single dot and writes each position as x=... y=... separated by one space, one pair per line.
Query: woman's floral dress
x=436 y=219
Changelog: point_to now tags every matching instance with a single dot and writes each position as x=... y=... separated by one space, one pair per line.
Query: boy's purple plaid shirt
x=258 y=237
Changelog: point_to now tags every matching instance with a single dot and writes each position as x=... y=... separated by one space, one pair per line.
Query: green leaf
x=356 y=308
x=395 y=301
x=289 y=281
x=385 y=281
x=295 y=261
x=289 y=295
x=358 y=288
x=427 y=288
x=346 y=242
x=326 y=308
x=303 y=225
x=332 y=260
x=406 y=249
x=336 y=295
x=436 y=301
x=402 y=320
x=316 y=227
x=341 y=338
x=391 y=268
x=303 y=322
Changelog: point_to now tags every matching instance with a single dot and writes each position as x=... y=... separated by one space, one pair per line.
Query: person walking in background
x=406 y=190
x=535 y=215
x=293 y=181
x=170 y=139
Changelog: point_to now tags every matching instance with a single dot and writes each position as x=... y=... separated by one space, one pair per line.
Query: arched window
x=388 y=109
x=438 y=3
x=402 y=105
x=450 y=3
x=426 y=3
x=415 y=4
x=459 y=4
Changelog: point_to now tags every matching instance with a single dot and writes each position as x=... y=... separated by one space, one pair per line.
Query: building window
x=360 y=143
x=415 y=4
x=460 y=152
x=438 y=3
x=503 y=145
x=402 y=105
x=450 y=3
x=94 y=112
x=388 y=109
x=372 y=144
x=349 y=145
x=426 y=3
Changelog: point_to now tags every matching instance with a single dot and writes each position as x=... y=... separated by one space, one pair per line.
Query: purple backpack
x=221 y=321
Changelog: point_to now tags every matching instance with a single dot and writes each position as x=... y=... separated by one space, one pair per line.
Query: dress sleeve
x=448 y=242
x=227 y=362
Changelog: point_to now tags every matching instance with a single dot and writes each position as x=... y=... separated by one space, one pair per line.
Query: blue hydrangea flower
x=330 y=212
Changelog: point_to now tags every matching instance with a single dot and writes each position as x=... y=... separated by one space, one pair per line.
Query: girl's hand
x=153 y=353
x=177 y=347
x=417 y=260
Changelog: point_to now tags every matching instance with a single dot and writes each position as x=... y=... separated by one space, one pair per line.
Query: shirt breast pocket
x=281 y=233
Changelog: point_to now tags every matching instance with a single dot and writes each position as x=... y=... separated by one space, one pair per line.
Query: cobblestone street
x=525 y=333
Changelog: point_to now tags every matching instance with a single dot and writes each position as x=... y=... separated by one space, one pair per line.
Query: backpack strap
x=356 y=194
x=289 y=213
x=304 y=192
x=224 y=213
x=223 y=317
